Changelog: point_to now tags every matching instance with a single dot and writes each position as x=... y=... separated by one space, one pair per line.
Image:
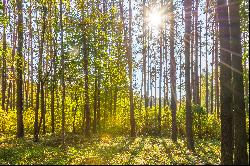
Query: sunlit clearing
x=74 y=50
x=106 y=138
x=154 y=18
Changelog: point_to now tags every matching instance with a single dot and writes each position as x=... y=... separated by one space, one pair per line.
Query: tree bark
x=225 y=84
x=19 y=69
x=239 y=114
x=86 y=78
x=189 y=116
x=173 y=75
x=196 y=76
x=206 y=56
x=130 y=61
x=4 y=74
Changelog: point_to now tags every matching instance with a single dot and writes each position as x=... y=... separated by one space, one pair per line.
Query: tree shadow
x=136 y=151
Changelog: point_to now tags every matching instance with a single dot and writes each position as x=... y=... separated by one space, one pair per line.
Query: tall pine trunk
x=19 y=69
x=129 y=54
x=189 y=116
x=62 y=76
x=173 y=75
x=225 y=84
x=4 y=52
x=239 y=114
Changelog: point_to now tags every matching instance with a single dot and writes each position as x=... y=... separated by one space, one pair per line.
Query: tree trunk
x=240 y=156
x=4 y=52
x=225 y=83
x=86 y=80
x=189 y=116
x=19 y=69
x=144 y=55
x=13 y=96
x=31 y=55
x=173 y=74
x=40 y=68
x=62 y=76
x=196 y=76
x=95 y=101
x=160 y=79
x=206 y=56
x=129 y=54
x=216 y=58
x=36 y=132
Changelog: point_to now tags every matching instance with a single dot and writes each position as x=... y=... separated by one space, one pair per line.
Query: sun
x=154 y=18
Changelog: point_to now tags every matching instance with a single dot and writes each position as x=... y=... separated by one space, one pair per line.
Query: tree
x=225 y=84
x=62 y=76
x=19 y=69
x=207 y=93
x=129 y=54
x=216 y=59
x=4 y=81
x=173 y=75
x=240 y=137
x=86 y=76
x=196 y=76
x=160 y=79
x=189 y=118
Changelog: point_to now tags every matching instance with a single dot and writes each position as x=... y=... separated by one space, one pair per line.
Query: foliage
x=204 y=125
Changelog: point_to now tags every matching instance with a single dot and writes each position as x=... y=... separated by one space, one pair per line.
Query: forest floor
x=106 y=149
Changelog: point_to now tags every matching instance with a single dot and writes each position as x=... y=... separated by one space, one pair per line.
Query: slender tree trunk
x=173 y=75
x=160 y=79
x=151 y=86
x=225 y=83
x=212 y=72
x=86 y=80
x=180 y=75
x=4 y=52
x=19 y=69
x=43 y=107
x=95 y=101
x=196 y=76
x=206 y=56
x=26 y=83
x=192 y=88
x=31 y=55
x=148 y=81
x=62 y=76
x=246 y=85
x=216 y=59
x=129 y=53
x=155 y=79
x=166 y=73
x=189 y=116
x=200 y=64
x=98 y=116
x=15 y=31
x=36 y=132
x=54 y=81
x=40 y=68
x=144 y=56
x=8 y=97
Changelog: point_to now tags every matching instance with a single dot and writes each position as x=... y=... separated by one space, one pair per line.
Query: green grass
x=106 y=149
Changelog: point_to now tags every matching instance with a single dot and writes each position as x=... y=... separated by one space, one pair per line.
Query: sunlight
x=154 y=18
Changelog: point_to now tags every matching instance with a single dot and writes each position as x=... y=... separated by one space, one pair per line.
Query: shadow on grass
x=100 y=149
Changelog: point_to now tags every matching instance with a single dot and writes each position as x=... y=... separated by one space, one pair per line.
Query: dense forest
x=124 y=82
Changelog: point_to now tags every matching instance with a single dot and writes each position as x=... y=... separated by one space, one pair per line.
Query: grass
x=106 y=149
